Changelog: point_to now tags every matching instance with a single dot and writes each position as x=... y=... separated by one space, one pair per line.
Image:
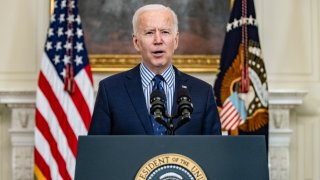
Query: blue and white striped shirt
x=168 y=85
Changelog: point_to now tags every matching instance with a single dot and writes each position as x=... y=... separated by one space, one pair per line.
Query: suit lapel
x=134 y=88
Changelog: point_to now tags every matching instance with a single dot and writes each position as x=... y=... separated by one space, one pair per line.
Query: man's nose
x=158 y=38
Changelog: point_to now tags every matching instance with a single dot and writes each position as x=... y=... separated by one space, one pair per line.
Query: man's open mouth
x=158 y=53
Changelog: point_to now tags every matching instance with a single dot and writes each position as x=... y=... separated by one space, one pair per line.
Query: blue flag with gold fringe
x=242 y=72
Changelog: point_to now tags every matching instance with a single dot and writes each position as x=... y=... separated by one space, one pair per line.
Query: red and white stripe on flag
x=62 y=115
x=229 y=116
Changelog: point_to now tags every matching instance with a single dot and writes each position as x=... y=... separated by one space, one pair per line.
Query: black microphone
x=185 y=106
x=157 y=109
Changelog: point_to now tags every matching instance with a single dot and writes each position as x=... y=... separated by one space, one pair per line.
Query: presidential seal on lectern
x=170 y=166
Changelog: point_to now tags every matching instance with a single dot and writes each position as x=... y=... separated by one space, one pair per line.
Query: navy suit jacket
x=120 y=107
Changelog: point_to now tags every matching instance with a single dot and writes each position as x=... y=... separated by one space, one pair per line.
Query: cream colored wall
x=22 y=34
x=289 y=33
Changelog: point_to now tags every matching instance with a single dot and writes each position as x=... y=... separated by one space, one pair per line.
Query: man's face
x=156 y=39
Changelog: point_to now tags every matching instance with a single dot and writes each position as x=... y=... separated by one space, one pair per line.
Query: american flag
x=65 y=95
x=242 y=71
x=233 y=112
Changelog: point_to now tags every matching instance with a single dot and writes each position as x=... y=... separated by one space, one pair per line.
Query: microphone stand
x=167 y=124
x=171 y=129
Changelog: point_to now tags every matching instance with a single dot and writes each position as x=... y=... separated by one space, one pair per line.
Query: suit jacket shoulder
x=186 y=79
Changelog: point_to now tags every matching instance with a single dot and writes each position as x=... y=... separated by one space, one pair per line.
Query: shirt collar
x=147 y=75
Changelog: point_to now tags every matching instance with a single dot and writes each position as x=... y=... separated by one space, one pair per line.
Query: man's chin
x=160 y=64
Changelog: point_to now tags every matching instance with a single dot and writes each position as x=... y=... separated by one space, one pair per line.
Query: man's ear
x=135 y=42
x=176 y=41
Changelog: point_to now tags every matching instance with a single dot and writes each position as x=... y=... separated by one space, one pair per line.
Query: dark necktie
x=157 y=79
x=158 y=129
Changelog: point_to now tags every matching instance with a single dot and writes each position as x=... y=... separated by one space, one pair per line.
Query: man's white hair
x=152 y=7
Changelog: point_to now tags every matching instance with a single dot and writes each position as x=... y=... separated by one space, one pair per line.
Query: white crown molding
x=286 y=97
x=17 y=97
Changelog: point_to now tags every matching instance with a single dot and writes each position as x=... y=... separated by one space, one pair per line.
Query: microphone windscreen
x=157 y=93
x=183 y=92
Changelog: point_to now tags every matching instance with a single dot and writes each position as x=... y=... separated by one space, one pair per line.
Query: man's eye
x=165 y=32
x=149 y=33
